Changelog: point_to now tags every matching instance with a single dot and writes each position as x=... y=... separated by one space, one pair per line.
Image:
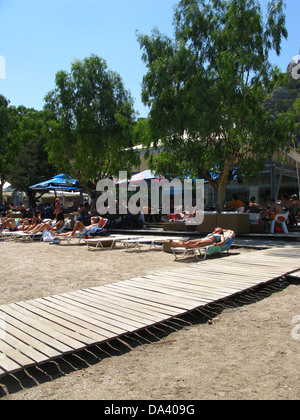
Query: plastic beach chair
x=281 y=219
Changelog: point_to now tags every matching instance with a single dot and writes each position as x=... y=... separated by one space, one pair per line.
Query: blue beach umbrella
x=60 y=182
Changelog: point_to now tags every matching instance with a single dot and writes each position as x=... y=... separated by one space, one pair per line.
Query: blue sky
x=40 y=37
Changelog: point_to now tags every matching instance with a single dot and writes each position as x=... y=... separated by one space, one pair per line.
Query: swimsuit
x=216 y=236
x=84 y=232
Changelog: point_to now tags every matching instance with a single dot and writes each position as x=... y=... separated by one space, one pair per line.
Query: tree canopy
x=206 y=90
x=4 y=143
x=90 y=119
x=23 y=158
x=30 y=164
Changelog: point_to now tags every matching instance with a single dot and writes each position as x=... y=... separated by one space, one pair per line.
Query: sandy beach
x=246 y=351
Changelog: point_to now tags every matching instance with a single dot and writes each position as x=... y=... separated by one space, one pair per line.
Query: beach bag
x=47 y=236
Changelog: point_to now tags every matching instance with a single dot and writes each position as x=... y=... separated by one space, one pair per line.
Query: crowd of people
x=267 y=212
x=33 y=225
x=47 y=210
x=52 y=221
x=51 y=216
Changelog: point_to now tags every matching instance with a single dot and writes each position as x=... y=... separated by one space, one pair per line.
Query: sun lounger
x=68 y=239
x=153 y=241
x=24 y=236
x=82 y=235
x=203 y=252
x=94 y=243
x=6 y=234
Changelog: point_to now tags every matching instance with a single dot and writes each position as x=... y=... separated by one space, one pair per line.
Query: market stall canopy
x=60 y=182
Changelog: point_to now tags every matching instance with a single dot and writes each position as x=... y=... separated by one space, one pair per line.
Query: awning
x=141 y=176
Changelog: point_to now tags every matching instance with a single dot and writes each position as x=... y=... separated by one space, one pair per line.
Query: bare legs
x=196 y=243
x=77 y=226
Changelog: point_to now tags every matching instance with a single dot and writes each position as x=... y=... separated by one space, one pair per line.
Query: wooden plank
x=57 y=323
x=115 y=309
x=159 y=296
x=104 y=309
x=89 y=329
x=24 y=348
x=15 y=354
x=210 y=280
x=115 y=323
x=253 y=278
x=36 y=331
x=148 y=298
x=154 y=307
x=181 y=288
x=225 y=279
x=187 y=284
x=295 y=274
x=261 y=265
x=227 y=268
x=185 y=300
x=23 y=334
x=265 y=263
x=47 y=327
x=91 y=318
x=126 y=304
x=8 y=365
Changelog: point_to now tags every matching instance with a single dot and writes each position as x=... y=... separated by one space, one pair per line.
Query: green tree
x=23 y=158
x=90 y=119
x=286 y=99
x=31 y=164
x=206 y=90
x=4 y=145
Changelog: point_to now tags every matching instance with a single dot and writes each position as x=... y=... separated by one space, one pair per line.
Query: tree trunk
x=222 y=184
x=221 y=197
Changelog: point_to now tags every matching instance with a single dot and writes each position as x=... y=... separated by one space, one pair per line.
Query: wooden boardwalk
x=39 y=330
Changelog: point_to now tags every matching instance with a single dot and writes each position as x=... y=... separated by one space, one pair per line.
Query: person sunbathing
x=49 y=226
x=4 y=223
x=217 y=237
x=10 y=224
x=96 y=223
x=35 y=221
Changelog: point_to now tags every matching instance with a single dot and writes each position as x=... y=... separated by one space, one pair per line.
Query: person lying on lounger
x=11 y=224
x=27 y=225
x=96 y=223
x=5 y=223
x=53 y=227
x=217 y=237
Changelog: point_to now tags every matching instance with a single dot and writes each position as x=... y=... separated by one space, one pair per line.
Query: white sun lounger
x=153 y=241
x=100 y=241
x=59 y=239
x=23 y=236
x=203 y=252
